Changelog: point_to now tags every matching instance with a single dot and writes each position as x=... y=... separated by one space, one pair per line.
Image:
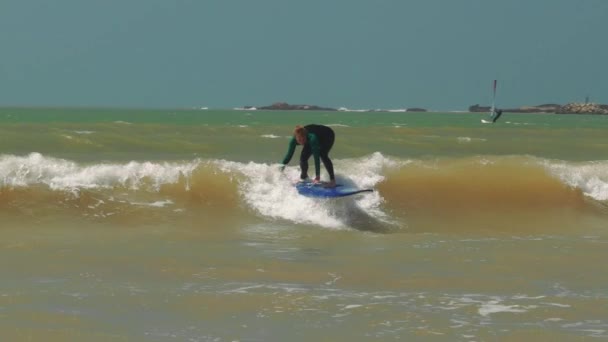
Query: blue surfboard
x=309 y=189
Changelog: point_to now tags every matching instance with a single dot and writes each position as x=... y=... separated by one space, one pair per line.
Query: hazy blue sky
x=353 y=53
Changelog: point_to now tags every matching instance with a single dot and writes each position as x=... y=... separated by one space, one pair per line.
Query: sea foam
x=61 y=174
x=271 y=193
x=591 y=177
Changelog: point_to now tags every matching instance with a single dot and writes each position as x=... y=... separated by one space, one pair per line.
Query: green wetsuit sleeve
x=290 y=151
x=315 y=147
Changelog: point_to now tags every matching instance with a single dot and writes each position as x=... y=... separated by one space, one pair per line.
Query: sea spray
x=591 y=177
x=271 y=193
x=61 y=174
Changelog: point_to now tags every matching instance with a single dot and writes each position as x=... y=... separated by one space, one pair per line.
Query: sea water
x=177 y=225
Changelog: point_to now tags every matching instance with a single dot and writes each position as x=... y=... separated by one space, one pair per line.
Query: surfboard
x=310 y=189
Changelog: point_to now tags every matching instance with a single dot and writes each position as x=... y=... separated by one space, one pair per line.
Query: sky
x=359 y=54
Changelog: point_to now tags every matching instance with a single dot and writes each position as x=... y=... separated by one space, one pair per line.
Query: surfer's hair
x=299 y=131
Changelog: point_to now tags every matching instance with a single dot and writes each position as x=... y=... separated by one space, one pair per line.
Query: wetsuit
x=497 y=114
x=319 y=140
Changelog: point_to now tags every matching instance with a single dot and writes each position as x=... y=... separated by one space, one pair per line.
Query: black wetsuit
x=319 y=141
x=497 y=115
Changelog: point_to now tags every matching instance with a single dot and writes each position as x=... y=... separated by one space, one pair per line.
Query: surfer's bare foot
x=330 y=184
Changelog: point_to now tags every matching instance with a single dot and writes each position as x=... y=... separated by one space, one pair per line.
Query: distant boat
x=494 y=113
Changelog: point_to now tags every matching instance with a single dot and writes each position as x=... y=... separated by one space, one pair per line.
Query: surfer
x=316 y=140
x=496 y=115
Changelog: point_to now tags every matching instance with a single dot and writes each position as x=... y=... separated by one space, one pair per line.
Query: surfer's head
x=300 y=134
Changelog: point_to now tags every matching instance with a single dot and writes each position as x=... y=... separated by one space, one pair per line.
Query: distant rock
x=478 y=109
x=287 y=106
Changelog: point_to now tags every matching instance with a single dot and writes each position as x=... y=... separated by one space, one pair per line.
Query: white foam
x=351 y=306
x=366 y=173
x=469 y=139
x=271 y=193
x=590 y=177
x=344 y=109
x=558 y=305
x=493 y=307
x=157 y=204
x=61 y=174
x=270 y=136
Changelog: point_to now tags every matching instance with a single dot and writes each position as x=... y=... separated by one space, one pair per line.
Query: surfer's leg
x=327 y=137
x=329 y=166
x=328 y=143
x=304 y=156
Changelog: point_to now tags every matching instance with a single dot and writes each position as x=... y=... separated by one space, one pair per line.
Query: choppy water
x=178 y=225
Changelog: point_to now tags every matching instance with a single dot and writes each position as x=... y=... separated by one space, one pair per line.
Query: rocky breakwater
x=543 y=108
x=582 y=108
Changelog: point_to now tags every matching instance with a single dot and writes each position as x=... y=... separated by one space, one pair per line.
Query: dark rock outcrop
x=287 y=106
x=478 y=109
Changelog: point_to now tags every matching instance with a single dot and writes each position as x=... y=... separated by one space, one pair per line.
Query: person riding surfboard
x=316 y=140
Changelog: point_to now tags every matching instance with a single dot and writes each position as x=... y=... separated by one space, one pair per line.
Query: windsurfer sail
x=494 y=112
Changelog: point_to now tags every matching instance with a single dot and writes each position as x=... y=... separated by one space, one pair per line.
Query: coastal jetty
x=583 y=108
x=570 y=108
x=544 y=108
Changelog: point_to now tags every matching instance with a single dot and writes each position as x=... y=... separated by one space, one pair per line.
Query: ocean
x=177 y=225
